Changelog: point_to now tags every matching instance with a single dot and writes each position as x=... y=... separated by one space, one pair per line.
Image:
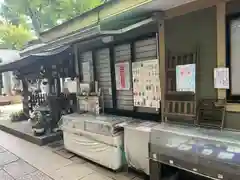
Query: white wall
x=8 y=56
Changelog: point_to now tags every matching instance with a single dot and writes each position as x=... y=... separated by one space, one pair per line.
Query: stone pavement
x=22 y=160
x=14 y=168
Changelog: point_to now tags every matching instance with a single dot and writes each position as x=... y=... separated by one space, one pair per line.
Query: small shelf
x=179 y=114
x=171 y=69
x=179 y=93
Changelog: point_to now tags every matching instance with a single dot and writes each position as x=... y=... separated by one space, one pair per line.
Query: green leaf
x=44 y=14
x=14 y=37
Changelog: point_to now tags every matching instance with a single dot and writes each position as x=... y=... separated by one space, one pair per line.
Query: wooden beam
x=191 y=7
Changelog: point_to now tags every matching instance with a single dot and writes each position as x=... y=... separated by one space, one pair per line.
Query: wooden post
x=162 y=61
x=1 y=83
x=221 y=41
x=25 y=96
x=58 y=86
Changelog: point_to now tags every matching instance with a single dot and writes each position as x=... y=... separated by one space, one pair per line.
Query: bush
x=18 y=116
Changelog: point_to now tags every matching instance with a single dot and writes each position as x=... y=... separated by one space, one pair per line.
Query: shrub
x=18 y=116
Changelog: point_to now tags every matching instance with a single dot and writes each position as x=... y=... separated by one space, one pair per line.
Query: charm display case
x=210 y=153
x=97 y=138
x=136 y=139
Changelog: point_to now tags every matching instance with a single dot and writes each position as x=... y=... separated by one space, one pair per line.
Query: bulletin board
x=146 y=84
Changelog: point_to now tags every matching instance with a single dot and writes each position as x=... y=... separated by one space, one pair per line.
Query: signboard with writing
x=146 y=84
x=221 y=78
x=186 y=77
x=122 y=72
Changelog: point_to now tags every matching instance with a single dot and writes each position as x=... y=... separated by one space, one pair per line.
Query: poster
x=186 y=77
x=146 y=84
x=221 y=78
x=122 y=72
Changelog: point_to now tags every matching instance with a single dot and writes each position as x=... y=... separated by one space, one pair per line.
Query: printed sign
x=221 y=78
x=186 y=77
x=146 y=84
x=225 y=155
x=122 y=72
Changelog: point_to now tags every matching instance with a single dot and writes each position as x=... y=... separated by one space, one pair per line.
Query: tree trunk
x=35 y=21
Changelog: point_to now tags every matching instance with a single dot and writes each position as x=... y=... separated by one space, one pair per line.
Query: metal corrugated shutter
x=87 y=57
x=103 y=74
x=122 y=53
x=146 y=50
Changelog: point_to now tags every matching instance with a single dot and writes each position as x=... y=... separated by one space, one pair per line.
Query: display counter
x=210 y=153
x=136 y=139
x=97 y=138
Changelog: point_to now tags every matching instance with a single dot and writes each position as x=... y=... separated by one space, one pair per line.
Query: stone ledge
x=41 y=140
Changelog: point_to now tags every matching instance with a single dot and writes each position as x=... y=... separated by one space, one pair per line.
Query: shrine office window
x=233 y=57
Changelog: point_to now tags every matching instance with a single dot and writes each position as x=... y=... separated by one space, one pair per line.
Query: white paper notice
x=225 y=155
x=233 y=149
x=186 y=77
x=207 y=152
x=221 y=78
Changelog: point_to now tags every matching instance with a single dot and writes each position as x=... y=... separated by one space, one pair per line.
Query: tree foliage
x=45 y=14
x=13 y=36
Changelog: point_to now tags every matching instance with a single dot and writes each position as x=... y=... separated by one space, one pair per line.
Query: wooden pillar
x=77 y=66
x=50 y=85
x=1 y=83
x=58 y=86
x=25 y=96
x=162 y=61
x=221 y=41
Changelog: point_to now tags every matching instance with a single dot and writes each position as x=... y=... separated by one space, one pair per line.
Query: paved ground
x=22 y=160
x=14 y=168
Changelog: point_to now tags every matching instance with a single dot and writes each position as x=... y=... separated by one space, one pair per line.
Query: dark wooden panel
x=103 y=73
x=122 y=53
